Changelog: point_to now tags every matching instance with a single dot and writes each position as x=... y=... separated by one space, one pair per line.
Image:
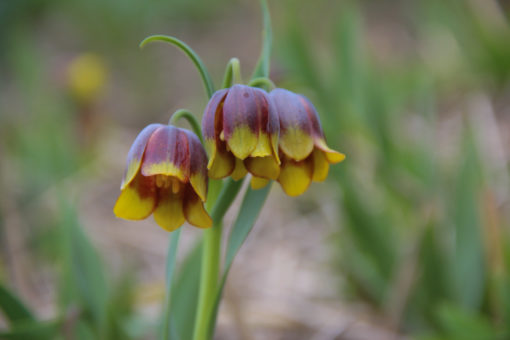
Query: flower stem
x=211 y=254
x=262 y=81
x=206 y=77
x=170 y=266
x=192 y=120
x=232 y=73
x=208 y=279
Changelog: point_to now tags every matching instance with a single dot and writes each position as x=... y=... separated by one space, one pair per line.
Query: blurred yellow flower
x=86 y=77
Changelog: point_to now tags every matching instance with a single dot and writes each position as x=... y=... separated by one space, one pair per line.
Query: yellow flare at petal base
x=296 y=143
x=320 y=166
x=195 y=213
x=168 y=214
x=242 y=142
x=133 y=203
x=265 y=167
x=239 y=170
x=258 y=183
x=295 y=177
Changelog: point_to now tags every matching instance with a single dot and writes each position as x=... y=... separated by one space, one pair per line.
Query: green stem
x=206 y=78
x=170 y=267
x=211 y=255
x=262 y=81
x=232 y=73
x=192 y=120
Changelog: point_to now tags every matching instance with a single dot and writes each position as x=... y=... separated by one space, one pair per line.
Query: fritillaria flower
x=241 y=128
x=304 y=154
x=166 y=175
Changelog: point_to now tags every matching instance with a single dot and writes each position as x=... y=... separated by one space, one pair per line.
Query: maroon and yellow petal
x=239 y=170
x=195 y=212
x=295 y=177
x=320 y=165
x=265 y=167
x=332 y=156
x=258 y=182
x=273 y=126
x=313 y=116
x=211 y=120
x=137 y=200
x=135 y=154
x=169 y=211
x=264 y=147
x=295 y=129
x=221 y=164
x=198 y=165
x=241 y=123
x=296 y=143
x=167 y=153
x=242 y=142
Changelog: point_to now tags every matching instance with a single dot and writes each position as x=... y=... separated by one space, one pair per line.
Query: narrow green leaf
x=32 y=330
x=251 y=206
x=184 y=295
x=253 y=202
x=204 y=73
x=170 y=266
x=470 y=268
x=458 y=323
x=12 y=306
x=84 y=280
x=262 y=68
x=225 y=198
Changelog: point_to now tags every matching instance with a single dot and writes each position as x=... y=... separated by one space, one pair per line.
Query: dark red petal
x=211 y=116
x=198 y=165
x=135 y=154
x=313 y=116
x=240 y=108
x=296 y=139
x=167 y=153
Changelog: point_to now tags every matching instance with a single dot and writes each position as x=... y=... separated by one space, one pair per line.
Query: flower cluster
x=273 y=136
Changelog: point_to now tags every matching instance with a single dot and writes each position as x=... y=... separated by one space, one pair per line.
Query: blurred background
x=407 y=239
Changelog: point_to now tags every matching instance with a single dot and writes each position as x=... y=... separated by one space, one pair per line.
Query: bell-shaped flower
x=241 y=129
x=304 y=153
x=166 y=175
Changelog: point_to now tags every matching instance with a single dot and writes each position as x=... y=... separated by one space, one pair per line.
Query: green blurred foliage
x=415 y=239
x=416 y=231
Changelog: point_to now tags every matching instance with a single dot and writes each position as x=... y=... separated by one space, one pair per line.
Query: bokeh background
x=407 y=239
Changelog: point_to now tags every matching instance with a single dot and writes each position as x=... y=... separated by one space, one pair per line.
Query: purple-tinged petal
x=212 y=118
x=135 y=154
x=295 y=129
x=198 y=165
x=167 y=153
x=241 y=123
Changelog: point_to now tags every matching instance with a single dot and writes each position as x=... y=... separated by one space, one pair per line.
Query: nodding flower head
x=241 y=128
x=305 y=156
x=166 y=175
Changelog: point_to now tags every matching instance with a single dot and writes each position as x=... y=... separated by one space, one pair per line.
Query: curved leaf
x=12 y=306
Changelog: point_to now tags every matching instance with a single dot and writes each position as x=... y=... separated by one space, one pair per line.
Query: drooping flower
x=304 y=153
x=241 y=129
x=166 y=175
